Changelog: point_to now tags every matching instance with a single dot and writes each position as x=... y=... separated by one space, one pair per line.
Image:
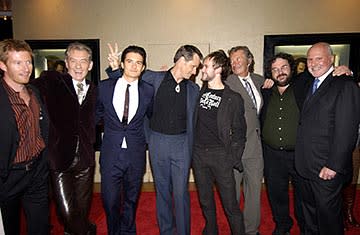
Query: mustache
x=282 y=74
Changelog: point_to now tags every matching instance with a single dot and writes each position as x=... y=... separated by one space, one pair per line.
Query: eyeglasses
x=282 y=68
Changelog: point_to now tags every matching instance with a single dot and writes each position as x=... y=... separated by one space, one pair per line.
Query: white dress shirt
x=85 y=86
x=322 y=78
x=119 y=100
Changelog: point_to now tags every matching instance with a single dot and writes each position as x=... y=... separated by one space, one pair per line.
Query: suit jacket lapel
x=111 y=89
x=89 y=91
x=140 y=100
x=7 y=110
x=235 y=84
x=69 y=85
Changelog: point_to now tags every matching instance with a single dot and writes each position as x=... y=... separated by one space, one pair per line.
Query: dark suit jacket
x=114 y=130
x=231 y=124
x=328 y=127
x=69 y=121
x=9 y=138
x=155 y=79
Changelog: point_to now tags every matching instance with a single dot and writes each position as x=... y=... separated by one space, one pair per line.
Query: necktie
x=126 y=106
x=250 y=91
x=80 y=92
x=315 y=85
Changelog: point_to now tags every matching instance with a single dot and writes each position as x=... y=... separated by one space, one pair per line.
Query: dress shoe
x=92 y=229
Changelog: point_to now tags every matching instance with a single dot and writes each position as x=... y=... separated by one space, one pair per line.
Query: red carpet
x=146 y=218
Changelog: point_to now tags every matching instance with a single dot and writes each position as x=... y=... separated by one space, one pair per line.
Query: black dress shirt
x=169 y=113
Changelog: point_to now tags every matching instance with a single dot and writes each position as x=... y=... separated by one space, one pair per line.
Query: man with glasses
x=279 y=119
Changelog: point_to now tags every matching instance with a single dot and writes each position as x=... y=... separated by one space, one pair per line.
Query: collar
x=324 y=76
x=247 y=77
x=124 y=82
x=75 y=82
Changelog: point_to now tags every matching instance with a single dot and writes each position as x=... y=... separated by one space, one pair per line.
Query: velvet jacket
x=69 y=121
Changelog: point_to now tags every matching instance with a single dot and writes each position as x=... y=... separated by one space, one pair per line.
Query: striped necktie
x=315 y=85
x=250 y=91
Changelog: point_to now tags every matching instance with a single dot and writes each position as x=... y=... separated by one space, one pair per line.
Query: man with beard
x=220 y=130
x=279 y=119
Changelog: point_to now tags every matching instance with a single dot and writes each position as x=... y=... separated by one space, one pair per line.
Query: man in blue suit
x=171 y=136
x=122 y=104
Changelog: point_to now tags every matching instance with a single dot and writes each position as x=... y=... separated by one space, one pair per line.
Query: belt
x=27 y=166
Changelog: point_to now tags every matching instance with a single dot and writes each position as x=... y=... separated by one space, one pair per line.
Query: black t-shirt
x=206 y=133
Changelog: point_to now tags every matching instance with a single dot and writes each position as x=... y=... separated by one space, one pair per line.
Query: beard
x=282 y=83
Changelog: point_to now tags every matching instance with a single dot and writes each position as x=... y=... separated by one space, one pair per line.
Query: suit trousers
x=279 y=168
x=73 y=191
x=251 y=179
x=170 y=163
x=212 y=165
x=121 y=179
x=30 y=190
x=322 y=205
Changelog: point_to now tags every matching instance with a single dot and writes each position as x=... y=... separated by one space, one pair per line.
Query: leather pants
x=72 y=191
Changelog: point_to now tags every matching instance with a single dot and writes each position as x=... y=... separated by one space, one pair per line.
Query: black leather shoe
x=92 y=229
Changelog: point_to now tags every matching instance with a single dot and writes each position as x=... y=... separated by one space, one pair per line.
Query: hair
x=59 y=62
x=188 y=52
x=323 y=44
x=8 y=45
x=136 y=49
x=78 y=46
x=220 y=59
x=289 y=58
x=248 y=55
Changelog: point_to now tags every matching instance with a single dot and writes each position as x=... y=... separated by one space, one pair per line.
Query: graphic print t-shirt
x=206 y=127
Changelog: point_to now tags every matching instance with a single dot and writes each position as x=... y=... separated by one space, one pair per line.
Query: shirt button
x=281 y=108
x=281 y=99
x=280 y=118
x=280 y=139
x=279 y=128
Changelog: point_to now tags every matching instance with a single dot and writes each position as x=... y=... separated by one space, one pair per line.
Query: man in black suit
x=326 y=137
x=23 y=128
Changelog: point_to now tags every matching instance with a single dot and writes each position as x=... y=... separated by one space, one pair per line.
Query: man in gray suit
x=248 y=85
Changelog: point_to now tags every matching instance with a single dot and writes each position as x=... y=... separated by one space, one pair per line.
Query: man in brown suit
x=70 y=100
